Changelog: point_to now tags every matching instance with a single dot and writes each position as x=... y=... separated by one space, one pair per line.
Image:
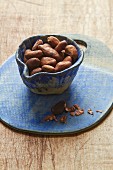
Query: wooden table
x=19 y=19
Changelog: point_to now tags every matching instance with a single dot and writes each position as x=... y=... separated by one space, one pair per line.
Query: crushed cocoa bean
x=77 y=106
x=79 y=112
x=100 y=111
x=63 y=119
x=60 y=107
x=90 y=112
x=50 y=117
x=70 y=109
x=72 y=113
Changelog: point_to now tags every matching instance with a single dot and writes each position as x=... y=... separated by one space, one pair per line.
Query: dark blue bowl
x=43 y=82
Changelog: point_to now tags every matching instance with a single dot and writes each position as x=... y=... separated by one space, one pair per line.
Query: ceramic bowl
x=43 y=82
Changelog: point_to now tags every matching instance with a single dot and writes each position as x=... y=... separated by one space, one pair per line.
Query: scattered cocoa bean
x=50 y=117
x=48 y=68
x=62 y=55
x=53 y=41
x=100 y=111
x=71 y=51
x=33 y=54
x=72 y=113
x=77 y=106
x=36 y=70
x=60 y=107
x=90 y=111
x=46 y=45
x=79 y=112
x=48 y=61
x=33 y=63
x=61 y=46
x=70 y=109
x=68 y=58
x=63 y=119
x=50 y=52
x=62 y=65
x=35 y=46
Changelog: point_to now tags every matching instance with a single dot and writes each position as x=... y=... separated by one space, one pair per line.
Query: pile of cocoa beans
x=52 y=56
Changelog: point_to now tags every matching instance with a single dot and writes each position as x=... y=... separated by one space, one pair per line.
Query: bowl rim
x=25 y=69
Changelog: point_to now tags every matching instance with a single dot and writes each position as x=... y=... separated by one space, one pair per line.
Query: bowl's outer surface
x=47 y=83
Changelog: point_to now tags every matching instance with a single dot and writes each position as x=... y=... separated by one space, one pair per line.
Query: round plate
x=25 y=111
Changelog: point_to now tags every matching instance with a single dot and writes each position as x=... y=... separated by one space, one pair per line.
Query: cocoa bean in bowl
x=48 y=63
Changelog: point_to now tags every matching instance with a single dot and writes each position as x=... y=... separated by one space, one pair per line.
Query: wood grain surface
x=19 y=19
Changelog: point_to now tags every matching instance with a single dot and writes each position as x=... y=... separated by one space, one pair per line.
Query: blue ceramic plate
x=25 y=111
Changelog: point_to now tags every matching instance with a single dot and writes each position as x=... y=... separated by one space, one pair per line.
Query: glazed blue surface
x=24 y=110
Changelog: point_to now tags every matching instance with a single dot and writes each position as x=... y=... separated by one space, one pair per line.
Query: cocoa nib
x=79 y=112
x=74 y=110
x=77 y=106
x=72 y=113
x=100 y=111
x=90 y=111
x=70 y=109
x=63 y=119
x=58 y=108
x=50 y=117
